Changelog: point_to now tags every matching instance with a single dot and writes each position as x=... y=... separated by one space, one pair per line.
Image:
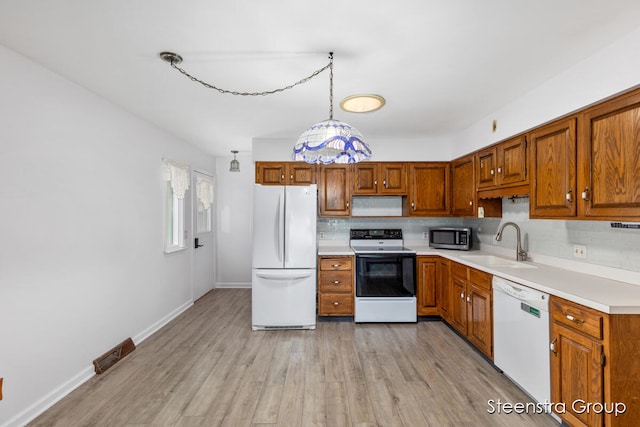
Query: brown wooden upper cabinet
x=463 y=198
x=503 y=165
x=334 y=190
x=371 y=178
x=553 y=170
x=609 y=159
x=429 y=191
x=285 y=173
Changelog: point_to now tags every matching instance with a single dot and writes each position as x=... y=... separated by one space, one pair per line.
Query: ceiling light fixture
x=331 y=141
x=362 y=103
x=235 y=164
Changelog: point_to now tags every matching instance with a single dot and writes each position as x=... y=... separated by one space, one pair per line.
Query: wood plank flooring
x=208 y=368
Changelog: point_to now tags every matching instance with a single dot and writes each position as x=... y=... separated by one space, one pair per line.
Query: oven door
x=385 y=275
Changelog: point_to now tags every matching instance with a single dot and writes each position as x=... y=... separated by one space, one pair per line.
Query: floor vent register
x=113 y=356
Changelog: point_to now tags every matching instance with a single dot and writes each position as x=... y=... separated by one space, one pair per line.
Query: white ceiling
x=441 y=64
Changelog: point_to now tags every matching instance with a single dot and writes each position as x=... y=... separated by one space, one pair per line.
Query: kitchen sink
x=496 y=261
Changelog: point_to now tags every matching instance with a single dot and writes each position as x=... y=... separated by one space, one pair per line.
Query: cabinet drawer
x=335 y=305
x=459 y=270
x=480 y=278
x=345 y=263
x=337 y=281
x=577 y=317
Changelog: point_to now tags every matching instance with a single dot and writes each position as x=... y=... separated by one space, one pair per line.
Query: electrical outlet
x=580 y=251
x=321 y=235
x=425 y=235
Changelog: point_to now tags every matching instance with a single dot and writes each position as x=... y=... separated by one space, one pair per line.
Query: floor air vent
x=113 y=356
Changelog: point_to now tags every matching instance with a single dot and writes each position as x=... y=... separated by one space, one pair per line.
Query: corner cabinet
x=335 y=286
x=501 y=170
x=285 y=173
x=594 y=360
x=334 y=190
x=471 y=306
x=464 y=198
x=429 y=189
x=553 y=189
x=609 y=156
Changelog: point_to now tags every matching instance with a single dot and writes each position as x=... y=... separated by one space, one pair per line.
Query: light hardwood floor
x=207 y=368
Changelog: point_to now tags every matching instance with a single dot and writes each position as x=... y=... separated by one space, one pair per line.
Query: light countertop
x=600 y=293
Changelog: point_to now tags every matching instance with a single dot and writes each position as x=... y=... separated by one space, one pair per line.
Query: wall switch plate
x=425 y=235
x=580 y=251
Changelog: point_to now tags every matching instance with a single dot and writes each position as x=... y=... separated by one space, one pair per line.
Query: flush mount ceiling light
x=234 y=166
x=362 y=103
x=329 y=141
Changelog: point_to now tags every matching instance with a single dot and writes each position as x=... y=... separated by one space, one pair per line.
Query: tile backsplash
x=611 y=247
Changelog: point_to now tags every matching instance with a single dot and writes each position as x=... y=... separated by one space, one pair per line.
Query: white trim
x=50 y=399
x=83 y=376
x=160 y=323
x=232 y=286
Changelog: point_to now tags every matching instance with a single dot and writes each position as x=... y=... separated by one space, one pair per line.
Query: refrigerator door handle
x=285 y=276
x=280 y=227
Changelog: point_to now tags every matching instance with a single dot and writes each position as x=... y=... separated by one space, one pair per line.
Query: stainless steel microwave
x=450 y=238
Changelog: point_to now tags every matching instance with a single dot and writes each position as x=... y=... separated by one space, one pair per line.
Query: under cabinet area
x=594 y=360
x=335 y=286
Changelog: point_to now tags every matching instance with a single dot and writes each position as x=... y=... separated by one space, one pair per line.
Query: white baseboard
x=232 y=285
x=83 y=376
x=50 y=399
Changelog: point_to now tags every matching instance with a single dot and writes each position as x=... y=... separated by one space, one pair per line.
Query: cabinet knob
x=492 y=172
x=462 y=295
x=573 y=319
x=336 y=282
x=375 y=182
x=335 y=265
x=585 y=194
x=347 y=205
x=336 y=303
x=291 y=177
x=500 y=169
x=385 y=183
x=552 y=346
x=282 y=177
x=569 y=195
x=413 y=206
x=470 y=202
x=468 y=298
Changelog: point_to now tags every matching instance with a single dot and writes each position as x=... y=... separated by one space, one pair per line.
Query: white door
x=203 y=242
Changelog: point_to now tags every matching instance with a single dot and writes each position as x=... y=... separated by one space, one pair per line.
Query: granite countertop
x=600 y=293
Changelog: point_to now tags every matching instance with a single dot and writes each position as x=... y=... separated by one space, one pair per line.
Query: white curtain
x=178 y=175
x=204 y=191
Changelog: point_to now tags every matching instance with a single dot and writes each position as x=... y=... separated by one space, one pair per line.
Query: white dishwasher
x=521 y=336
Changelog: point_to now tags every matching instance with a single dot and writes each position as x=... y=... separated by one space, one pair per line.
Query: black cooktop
x=376 y=233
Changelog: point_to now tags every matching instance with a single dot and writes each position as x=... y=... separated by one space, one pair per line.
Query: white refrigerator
x=283 y=284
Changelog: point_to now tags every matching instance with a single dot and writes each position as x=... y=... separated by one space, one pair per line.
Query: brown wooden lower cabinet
x=426 y=295
x=335 y=286
x=443 y=293
x=595 y=368
x=471 y=306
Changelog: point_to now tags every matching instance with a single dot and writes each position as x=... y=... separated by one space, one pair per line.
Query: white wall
x=234 y=213
x=81 y=261
x=383 y=149
x=605 y=73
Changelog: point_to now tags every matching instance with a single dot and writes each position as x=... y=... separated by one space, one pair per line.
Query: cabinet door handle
x=585 y=194
x=384 y=182
x=336 y=303
x=413 y=206
x=573 y=319
x=335 y=265
x=282 y=177
x=492 y=172
x=461 y=295
x=500 y=169
x=569 y=195
x=336 y=282
x=291 y=177
x=470 y=202
x=468 y=298
x=347 y=205
x=375 y=182
x=552 y=346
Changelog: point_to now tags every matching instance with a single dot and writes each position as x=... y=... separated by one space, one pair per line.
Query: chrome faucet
x=521 y=255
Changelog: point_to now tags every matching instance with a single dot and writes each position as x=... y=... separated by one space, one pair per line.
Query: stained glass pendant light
x=331 y=141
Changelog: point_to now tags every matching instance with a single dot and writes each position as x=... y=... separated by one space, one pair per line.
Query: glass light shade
x=234 y=166
x=362 y=103
x=331 y=141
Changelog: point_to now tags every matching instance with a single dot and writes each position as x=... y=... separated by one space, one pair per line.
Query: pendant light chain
x=175 y=59
x=330 y=85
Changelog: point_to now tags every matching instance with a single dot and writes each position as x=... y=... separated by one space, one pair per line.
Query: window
x=177 y=177
x=204 y=193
